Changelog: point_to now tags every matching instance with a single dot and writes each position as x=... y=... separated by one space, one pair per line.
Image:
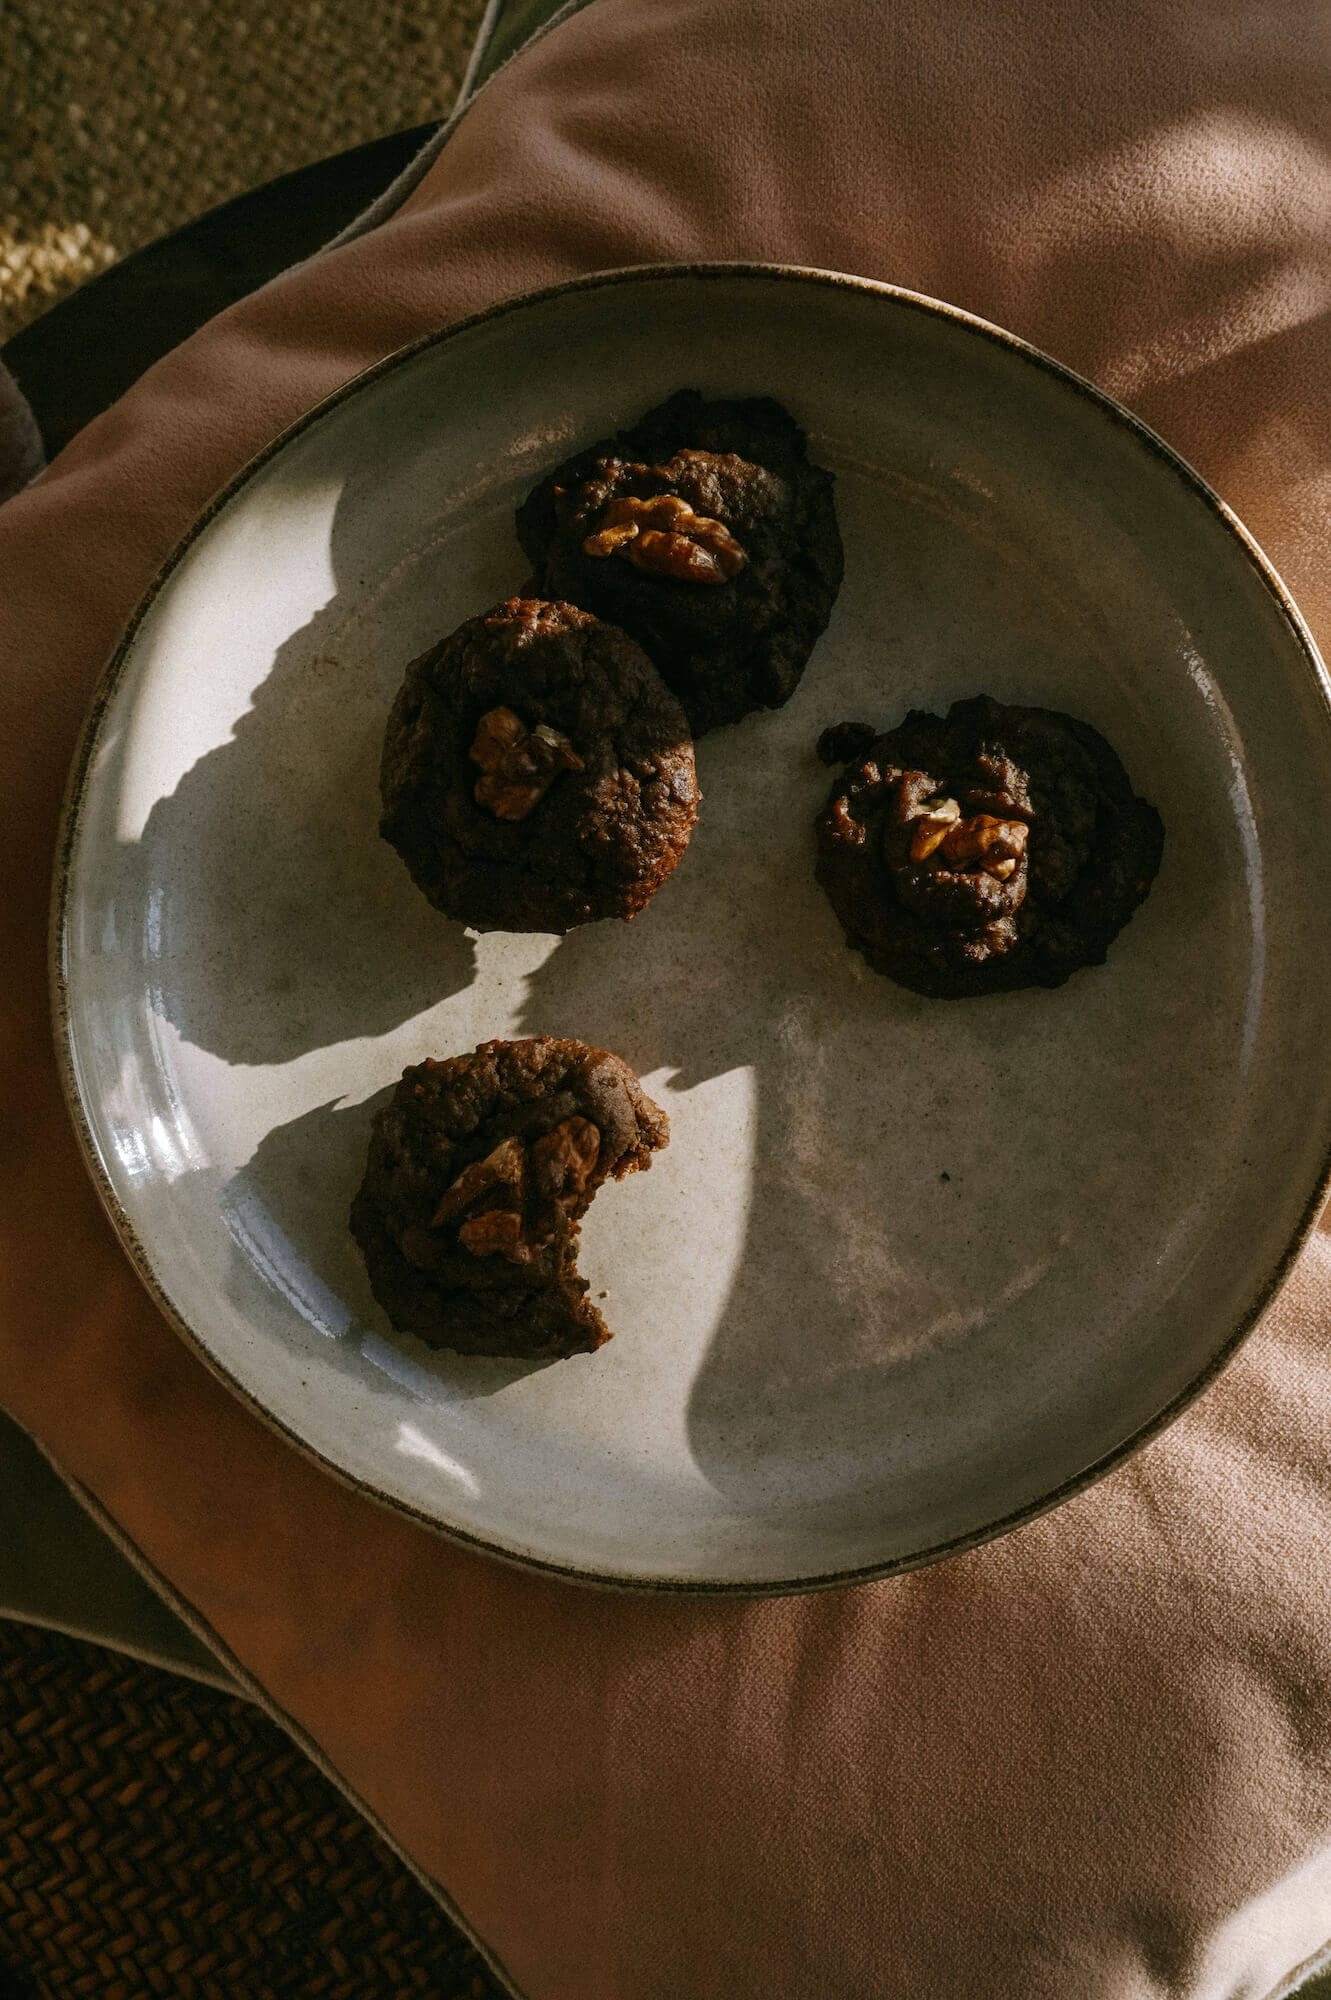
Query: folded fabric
x=1093 y=1758
x=20 y=443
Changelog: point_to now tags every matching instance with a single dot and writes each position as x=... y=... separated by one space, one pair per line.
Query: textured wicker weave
x=158 y=1838
x=122 y=119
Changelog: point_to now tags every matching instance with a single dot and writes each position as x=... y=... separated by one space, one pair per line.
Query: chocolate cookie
x=992 y=848
x=537 y=773
x=705 y=532
x=480 y=1170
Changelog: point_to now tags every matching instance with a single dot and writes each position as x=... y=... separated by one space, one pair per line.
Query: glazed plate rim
x=108 y=684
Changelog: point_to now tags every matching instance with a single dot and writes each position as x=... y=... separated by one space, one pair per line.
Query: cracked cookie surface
x=480 y=1170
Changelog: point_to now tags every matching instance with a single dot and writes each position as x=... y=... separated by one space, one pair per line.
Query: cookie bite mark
x=705 y=531
x=537 y=773
x=480 y=1170
x=993 y=848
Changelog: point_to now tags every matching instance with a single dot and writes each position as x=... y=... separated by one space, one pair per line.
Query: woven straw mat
x=122 y=119
x=158 y=1838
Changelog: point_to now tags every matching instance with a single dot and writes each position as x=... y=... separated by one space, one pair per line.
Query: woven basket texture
x=123 y=119
x=158 y=1838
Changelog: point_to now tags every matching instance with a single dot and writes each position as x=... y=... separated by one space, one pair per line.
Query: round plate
x=910 y=1270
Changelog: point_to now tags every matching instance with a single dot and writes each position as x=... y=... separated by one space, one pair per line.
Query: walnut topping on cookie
x=664 y=536
x=519 y=764
x=479 y=1173
x=537 y=771
x=704 y=531
x=992 y=848
x=511 y=1203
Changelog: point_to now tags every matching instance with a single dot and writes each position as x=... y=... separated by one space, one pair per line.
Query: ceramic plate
x=910 y=1270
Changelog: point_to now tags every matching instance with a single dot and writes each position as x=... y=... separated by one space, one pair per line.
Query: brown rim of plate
x=109 y=681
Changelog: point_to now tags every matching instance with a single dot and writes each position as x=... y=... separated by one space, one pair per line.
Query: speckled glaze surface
x=910 y=1270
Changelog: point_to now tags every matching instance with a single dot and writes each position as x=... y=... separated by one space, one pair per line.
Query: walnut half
x=665 y=537
x=519 y=765
x=505 y=1167
x=563 y=1160
x=509 y=1204
x=994 y=845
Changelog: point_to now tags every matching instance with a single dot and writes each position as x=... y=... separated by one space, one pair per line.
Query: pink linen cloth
x=1092 y=1759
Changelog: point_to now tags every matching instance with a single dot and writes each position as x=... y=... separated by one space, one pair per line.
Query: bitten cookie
x=480 y=1170
x=705 y=532
x=991 y=848
x=537 y=773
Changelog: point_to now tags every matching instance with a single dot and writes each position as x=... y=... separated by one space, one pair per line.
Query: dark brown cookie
x=480 y=1170
x=705 y=532
x=992 y=848
x=537 y=773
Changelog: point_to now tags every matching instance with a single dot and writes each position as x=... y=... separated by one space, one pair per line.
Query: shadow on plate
x=730 y=968
x=287 y=1209
x=280 y=921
